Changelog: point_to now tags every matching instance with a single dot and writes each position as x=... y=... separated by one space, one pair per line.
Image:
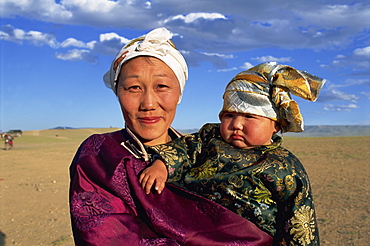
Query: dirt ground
x=34 y=186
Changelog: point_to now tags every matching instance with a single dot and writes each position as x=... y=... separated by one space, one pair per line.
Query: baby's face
x=246 y=131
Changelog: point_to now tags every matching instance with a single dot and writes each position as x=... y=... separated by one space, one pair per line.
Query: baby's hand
x=154 y=174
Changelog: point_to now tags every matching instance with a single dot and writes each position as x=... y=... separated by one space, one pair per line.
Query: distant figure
x=8 y=141
x=2 y=238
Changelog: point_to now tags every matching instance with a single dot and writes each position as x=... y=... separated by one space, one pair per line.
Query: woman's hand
x=154 y=174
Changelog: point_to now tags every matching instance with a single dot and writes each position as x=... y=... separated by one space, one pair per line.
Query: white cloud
x=332 y=16
x=148 y=4
x=192 y=17
x=108 y=43
x=271 y=58
x=335 y=95
x=339 y=108
x=365 y=52
x=232 y=27
x=246 y=66
x=218 y=55
x=224 y=28
x=90 y=45
x=9 y=33
x=227 y=69
x=90 y=6
x=46 y=10
x=109 y=36
x=77 y=55
x=72 y=42
x=363 y=65
x=358 y=60
x=350 y=82
x=71 y=55
x=366 y=94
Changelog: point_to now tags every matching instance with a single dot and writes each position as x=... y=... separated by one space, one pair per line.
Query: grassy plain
x=34 y=180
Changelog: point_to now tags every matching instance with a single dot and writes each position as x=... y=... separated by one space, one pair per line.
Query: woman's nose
x=148 y=100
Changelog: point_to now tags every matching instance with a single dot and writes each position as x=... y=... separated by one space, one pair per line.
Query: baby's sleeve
x=290 y=187
x=179 y=155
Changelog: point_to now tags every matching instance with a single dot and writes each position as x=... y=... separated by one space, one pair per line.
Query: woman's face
x=148 y=92
x=246 y=131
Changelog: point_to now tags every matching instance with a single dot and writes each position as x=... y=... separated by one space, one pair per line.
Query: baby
x=240 y=163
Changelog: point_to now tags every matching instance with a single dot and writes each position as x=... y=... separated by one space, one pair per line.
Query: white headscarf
x=156 y=43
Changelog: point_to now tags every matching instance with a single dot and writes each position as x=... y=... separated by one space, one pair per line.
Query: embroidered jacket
x=267 y=185
x=109 y=207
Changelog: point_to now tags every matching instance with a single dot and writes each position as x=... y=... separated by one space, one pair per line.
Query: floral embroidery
x=264 y=196
x=89 y=210
x=169 y=154
x=241 y=243
x=289 y=182
x=257 y=211
x=298 y=199
x=280 y=152
x=209 y=209
x=235 y=194
x=121 y=185
x=236 y=181
x=163 y=224
x=139 y=165
x=303 y=225
x=205 y=170
x=158 y=242
x=92 y=146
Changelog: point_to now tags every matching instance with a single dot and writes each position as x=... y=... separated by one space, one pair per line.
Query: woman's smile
x=150 y=120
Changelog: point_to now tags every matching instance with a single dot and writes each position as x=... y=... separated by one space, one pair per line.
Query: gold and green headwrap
x=265 y=89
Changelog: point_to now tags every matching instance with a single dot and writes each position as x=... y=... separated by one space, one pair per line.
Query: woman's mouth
x=149 y=120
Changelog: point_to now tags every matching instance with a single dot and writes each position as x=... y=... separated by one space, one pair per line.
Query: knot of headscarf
x=156 y=43
x=265 y=89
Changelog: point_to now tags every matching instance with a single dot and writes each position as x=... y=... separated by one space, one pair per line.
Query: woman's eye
x=162 y=86
x=134 y=88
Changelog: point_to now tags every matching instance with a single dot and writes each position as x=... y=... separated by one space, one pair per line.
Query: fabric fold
x=190 y=219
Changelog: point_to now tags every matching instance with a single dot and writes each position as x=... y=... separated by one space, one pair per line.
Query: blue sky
x=54 y=54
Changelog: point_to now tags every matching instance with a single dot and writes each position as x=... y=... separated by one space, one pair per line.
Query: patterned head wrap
x=265 y=89
x=156 y=43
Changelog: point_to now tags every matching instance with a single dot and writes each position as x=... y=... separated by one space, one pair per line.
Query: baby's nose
x=237 y=124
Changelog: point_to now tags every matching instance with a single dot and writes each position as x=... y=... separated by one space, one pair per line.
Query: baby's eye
x=248 y=116
x=228 y=115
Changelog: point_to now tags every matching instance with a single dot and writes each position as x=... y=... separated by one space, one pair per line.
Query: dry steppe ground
x=34 y=186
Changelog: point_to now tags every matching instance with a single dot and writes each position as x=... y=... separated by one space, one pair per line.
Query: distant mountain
x=310 y=131
x=62 y=128
x=333 y=131
x=188 y=130
x=320 y=131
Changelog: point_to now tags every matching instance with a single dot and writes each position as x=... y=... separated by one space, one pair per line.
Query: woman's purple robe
x=108 y=206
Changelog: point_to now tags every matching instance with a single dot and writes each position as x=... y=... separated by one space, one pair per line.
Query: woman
x=108 y=206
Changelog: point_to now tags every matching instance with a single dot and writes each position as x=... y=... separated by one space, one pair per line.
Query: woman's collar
x=137 y=148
